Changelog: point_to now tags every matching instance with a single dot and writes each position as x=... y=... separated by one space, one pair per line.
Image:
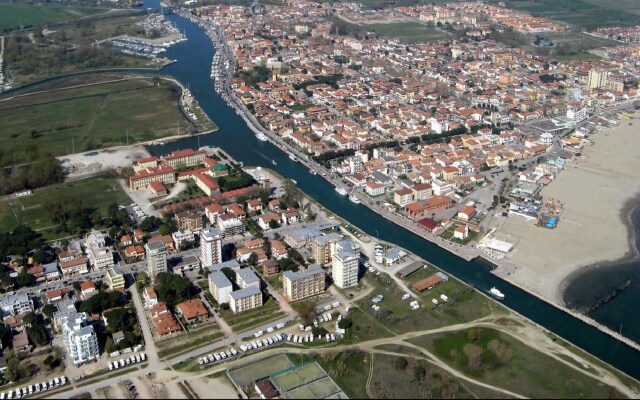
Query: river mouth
x=609 y=292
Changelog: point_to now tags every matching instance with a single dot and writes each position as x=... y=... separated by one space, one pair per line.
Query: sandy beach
x=597 y=192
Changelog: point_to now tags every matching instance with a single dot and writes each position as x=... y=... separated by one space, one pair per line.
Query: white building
x=100 y=257
x=182 y=236
x=245 y=277
x=15 y=304
x=245 y=299
x=220 y=287
x=210 y=246
x=80 y=338
x=156 y=258
x=344 y=269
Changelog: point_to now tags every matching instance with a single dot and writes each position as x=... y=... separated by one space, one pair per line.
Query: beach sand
x=593 y=228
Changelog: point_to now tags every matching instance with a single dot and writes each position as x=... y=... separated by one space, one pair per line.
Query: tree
x=48 y=310
x=273 y=224
x=419 y=373
x=76 y=286
x=142 y=280
x=225 y=306
x=29 y=319
x=24 y=278
x=12 y=373
x=400 y=363
x=253 y=259
x=306 y=311
x=345 y=323
x=109 y=345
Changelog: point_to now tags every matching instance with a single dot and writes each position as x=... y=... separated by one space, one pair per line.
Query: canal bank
x=193 y=68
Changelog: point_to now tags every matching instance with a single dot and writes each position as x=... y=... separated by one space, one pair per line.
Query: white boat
x=313 y=172
x=341 y=191
x=293 y=158
x=261 y=136
x=274 y=162
x=496 y=293
x=354 y=199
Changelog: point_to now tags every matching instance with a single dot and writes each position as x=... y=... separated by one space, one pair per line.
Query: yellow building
x=115 y=278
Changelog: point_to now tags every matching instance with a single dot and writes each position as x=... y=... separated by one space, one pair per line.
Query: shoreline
x=232 y=100
x=631 y=206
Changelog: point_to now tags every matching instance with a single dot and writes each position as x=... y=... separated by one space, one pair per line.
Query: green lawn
x=406 y=32
x=95 y=116
x=14 y=15
x=96 y=192
x=508 y=363
x=248 y=319
x=188 y=341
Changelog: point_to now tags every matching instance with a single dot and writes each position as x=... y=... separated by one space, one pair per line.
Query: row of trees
x=46 y=170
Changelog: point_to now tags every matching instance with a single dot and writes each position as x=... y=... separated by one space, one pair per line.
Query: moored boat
x=341 y=191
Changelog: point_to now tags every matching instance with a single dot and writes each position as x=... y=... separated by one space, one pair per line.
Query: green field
x=91 y=117
x=95 y=192
x=248 y=319
x=406 y=32
x=587 y=14
x=257 y=370
x=527 y=371
x=16 y=15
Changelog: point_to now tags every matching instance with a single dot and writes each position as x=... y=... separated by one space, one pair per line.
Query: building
x=180 y=264
x=51 y=272
x=80 y=338
x=304 y=283
x=220 y=287
x=115 y=278
x=144 y=178
x=322 y=247
x=344 y=269
x=189 y=220
x=598 y=79
x=150 y=297
x=423 y=208
x=193 y=311
x=100 y=257
x=210 y=246
x=245 y=299
x=461 y=232
x=156 y=258
x=245 y=277
x=87 y=289
x=229 y=224
x=185 y=158
x=73 y=267
x=185 y=236
x=15 y=304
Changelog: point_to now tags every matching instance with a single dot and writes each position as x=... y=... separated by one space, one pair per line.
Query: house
x=265 y=389
x=461 y=232
x=76 y=266
x=270 y=267
x=57 y=295
x=274 y=205
x=193 y=311
x=150 y=297
x=183 y=236
x=374 y=189
x=87 y=289
x=289 y=216
x=20 y=343
x=51 y=272
x=264 y=220
x=403 y=197
x=254 y=206
x=466 y=213
x=135 y=251
x=14 y=304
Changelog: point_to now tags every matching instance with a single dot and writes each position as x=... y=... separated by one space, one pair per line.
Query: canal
x=194 y=68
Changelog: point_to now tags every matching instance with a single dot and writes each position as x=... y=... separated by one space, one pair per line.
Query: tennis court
x=248 y=374
x=299 y=376
x=319 y=389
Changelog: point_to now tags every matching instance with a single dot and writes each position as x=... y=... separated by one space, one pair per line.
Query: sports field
x=406 y=32
x=300 y=376
x=68 y=115
x=255 y=371
x=94 y=192
x=16 y=15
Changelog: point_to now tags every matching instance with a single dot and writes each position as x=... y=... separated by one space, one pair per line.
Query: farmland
x=586 y=14
x=64 y=115
x=16 y=15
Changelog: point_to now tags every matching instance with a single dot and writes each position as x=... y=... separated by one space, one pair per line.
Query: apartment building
x=322 y=247
x=304 y=283
x=143 y=179
x=115 y=278
x=210 y=246
x=80 y=338
x=245 y=299
x=245 y=277
x=156 y=258
x=220 y=287
x=100 y=257
x=191 y=220
x=344 y=269
x=15 y=304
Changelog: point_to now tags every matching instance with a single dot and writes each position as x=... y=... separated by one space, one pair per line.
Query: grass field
x=528 y=371
x=14 y=15
x=95 y=192
x=406 y=32
x=188 y=341
x=583 y=13
x=246 y=320
x=95 y=116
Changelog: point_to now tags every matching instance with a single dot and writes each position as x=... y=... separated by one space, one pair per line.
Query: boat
x=314 y=172
x=293 y=158
x=354 y=199
x=274 y=162
x=496 y=293
x=341 y=191
x=262 y=137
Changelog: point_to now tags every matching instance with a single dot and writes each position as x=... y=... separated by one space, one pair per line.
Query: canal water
x=194 y=68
